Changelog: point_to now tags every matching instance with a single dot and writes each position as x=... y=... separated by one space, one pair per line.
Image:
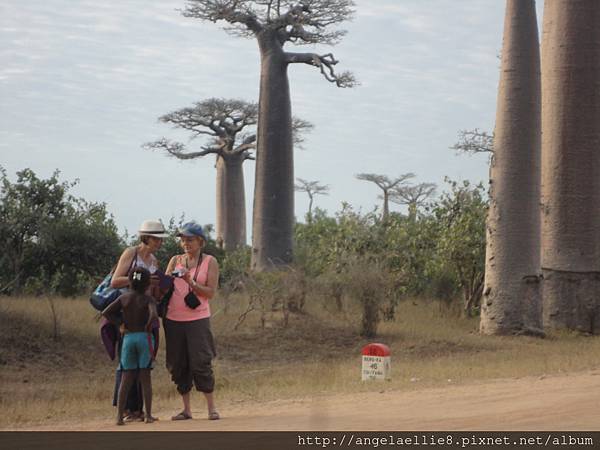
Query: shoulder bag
x=105 y=294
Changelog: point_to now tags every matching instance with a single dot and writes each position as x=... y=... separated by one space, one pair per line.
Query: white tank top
x=141 y=263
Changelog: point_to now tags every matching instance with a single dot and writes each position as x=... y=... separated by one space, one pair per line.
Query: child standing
x=138 y=311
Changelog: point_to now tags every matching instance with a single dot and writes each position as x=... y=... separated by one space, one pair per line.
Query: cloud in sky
x=83 y=83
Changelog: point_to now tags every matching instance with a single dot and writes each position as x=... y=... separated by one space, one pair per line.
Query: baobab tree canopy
x=414 y=194
x=385 y=184
x=225 y=122
x=300 y=23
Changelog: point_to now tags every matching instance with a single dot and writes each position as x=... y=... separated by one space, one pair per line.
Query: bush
x=53 y=243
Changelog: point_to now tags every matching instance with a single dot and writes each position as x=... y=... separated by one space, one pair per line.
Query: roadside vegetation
x=47 y=378
x=410 y=281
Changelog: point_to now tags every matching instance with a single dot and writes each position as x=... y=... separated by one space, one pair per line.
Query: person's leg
x=178 y=364
x=145 y=379
x=210 y=403
x=126 y=383
x=145 y=351
x=201 y=351
x=134 y=400
x=187 y=404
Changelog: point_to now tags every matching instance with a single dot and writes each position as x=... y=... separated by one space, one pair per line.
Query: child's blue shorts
x=137 y=351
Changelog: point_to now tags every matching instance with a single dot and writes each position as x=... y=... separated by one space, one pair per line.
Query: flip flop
x=134 y=418
x=182 y=416
x=213 y=415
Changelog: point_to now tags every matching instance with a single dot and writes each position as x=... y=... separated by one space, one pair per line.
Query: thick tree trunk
x=221 y=206
x=412 y=212
x=273 y=215
x=231 y=202
x=511 y=295
x=386 y=205
x=571 y=164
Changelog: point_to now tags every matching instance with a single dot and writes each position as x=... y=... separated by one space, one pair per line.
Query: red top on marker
x=376 y=350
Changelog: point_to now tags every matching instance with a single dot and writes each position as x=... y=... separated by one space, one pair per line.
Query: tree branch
x=326 y=64
x=474 y=141
x=243 y=148
x=231 y=11
x=177 y=149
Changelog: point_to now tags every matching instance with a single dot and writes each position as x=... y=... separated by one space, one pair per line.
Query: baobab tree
x=230 y=127
x=312 y=188
x=571 y=164
x=274 y=23
x=511 y=301
x=413 y=196
x=386 y=184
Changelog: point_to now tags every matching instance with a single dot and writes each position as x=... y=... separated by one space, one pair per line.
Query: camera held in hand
x=178 y=273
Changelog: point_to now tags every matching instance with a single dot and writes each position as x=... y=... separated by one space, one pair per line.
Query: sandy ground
x=563 y=402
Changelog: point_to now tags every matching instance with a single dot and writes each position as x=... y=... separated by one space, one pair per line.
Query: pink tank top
x=178 y=310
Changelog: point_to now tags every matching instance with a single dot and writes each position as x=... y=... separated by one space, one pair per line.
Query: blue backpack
x=105 y=294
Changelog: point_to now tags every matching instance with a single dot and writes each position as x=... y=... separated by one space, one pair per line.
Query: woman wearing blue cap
x=190 y=344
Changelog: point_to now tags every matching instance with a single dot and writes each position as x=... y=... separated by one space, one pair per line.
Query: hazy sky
x=83 y=82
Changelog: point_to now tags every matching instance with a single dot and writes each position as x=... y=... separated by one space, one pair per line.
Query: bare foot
x=150 y=419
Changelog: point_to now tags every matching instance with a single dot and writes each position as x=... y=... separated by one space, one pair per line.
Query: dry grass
x=43 y=380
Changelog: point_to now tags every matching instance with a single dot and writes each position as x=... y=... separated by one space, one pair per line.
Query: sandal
x=182 y=416
x=134 y=417
x=213 y=415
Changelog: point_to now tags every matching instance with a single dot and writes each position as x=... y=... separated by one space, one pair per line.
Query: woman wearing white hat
x=151 y=233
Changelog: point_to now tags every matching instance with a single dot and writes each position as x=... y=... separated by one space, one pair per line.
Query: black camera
x=177 y=274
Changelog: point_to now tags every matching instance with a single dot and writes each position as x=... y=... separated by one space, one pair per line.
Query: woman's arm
x=212 y=281
x=111 y=312
x=171 y=265
x=152 y=314
x=120 y=278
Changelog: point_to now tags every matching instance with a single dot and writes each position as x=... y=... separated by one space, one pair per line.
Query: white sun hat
x=153 y=228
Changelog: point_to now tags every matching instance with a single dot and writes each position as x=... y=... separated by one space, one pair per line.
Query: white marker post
x=376 y=362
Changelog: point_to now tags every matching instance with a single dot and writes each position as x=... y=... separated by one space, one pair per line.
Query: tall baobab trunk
x=386 y=205
x=231 y=202
x=273 y=215
x=571 y=164
x=310 y=204
x=412 y=212
x=511 y=296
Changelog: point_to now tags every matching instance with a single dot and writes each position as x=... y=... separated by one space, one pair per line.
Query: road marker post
x=376 y=362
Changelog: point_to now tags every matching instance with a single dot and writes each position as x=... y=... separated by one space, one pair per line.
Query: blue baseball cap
x=191 y=229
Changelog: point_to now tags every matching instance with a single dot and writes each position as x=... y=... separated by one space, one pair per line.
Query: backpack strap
x=135 y=257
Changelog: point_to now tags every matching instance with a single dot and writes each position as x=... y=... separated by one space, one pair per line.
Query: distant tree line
x=436 y=251
x=55 y=243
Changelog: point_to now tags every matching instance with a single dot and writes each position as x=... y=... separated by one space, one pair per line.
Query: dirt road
x=565 y=402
